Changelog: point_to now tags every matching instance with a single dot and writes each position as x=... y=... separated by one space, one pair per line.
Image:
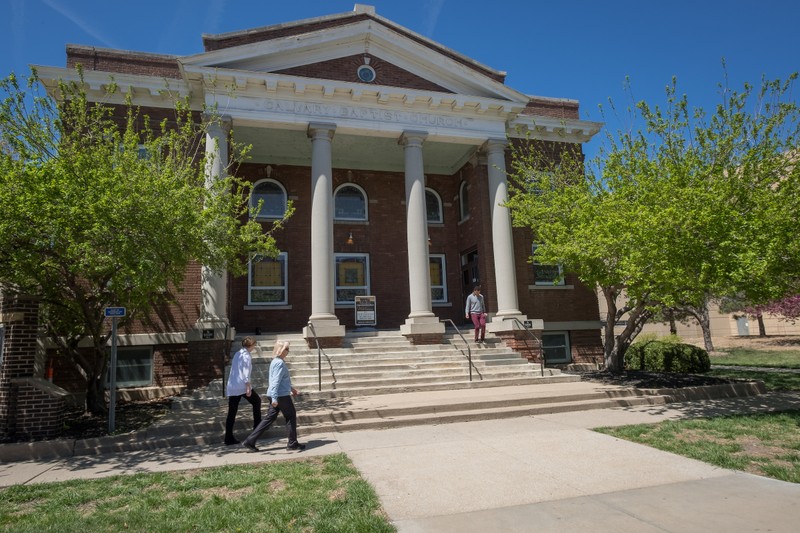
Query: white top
x=241 y=367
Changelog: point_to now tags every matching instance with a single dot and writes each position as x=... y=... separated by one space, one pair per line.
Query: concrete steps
x=317 y=414
x=386 y=363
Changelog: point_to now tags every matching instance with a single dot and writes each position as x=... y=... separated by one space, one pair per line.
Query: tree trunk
x=609 y=341
x=95 y=397
x=702 y=317
x=673 y=328
x=762 y=331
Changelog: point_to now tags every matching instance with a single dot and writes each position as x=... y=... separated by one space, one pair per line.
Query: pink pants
x=479 y=321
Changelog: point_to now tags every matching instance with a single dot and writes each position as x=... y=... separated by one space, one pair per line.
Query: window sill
x=550 y=287
x=442 y=304
x=267 y=307
x=355 y=221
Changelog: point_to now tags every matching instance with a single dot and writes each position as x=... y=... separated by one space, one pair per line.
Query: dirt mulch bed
x=128 y=417
x=654 y=380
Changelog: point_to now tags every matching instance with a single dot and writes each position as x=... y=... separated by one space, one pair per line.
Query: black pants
x=233 y=408
x=285 y=407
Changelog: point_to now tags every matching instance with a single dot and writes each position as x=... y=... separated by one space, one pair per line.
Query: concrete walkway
x=542 y=473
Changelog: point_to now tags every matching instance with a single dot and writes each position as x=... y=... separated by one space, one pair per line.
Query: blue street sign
x=114 y=311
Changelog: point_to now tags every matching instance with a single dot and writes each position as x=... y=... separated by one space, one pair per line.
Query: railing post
x=469 y=350
x=539 y=341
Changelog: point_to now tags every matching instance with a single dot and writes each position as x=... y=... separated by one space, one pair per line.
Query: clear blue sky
x=582 y=49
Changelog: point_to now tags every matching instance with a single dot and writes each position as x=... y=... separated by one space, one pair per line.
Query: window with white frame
x=267 y=280
x=463 y=200
x=350 y=203
x=351 y=276
x=433 y=204
x=546 y=274
x=272 y=196
x=438 y=278
x=134 y=367
x=555 y=346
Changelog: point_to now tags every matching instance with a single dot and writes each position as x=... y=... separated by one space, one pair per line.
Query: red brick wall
x=123 y=61
x=38 y=414
x=345 y=69
x=20 y=316
x=383 y=238
x=555 y=108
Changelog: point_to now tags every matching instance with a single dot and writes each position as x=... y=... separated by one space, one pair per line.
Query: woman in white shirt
x=239 y=387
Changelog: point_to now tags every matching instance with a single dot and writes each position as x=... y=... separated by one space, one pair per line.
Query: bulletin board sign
x=365 y=311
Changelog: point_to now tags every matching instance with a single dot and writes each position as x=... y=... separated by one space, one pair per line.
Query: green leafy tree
x=100 y=206
x=688 y=206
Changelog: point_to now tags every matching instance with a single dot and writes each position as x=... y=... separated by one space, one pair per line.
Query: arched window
x=273 y=196
x=463 y=200
x=350 y=203
x=433 y=204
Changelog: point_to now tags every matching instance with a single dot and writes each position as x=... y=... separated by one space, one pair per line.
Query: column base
x=502 y=323
x=209 y=329
x=329 y=333
x=209 y=349
x=423 y=330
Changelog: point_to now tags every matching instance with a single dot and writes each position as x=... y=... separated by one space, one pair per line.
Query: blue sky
x=581 y=49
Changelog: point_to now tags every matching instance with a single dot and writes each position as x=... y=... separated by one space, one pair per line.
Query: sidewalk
x=542 y=473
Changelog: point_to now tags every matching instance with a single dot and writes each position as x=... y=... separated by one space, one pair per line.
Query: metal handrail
x=535 y=338
x=320 y=352
x=469 y=350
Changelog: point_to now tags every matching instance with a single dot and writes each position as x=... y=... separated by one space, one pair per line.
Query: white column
x=215 y=285
x=502 y=240
x=325 y=322
x=421 y=319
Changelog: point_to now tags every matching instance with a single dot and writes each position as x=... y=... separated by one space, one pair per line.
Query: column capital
x=412 y=138
x=220 y=121
x=321 y=129
x=494 y=145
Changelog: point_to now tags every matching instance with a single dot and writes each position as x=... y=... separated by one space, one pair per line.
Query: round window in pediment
x=366 y=73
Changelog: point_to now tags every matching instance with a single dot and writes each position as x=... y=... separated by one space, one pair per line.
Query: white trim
x=567 y=347
x=120 y=358
x=441 y=207
x=284 y=203
x=443 y=286
x=350 y=39
x=336 y=286
x=463 y=211
x=534 y=264
x=283 y=258
x=365 y=218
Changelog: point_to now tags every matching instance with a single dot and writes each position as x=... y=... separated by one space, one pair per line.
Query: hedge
x=659 y=356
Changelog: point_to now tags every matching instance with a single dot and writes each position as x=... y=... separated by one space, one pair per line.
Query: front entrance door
x=470 y=274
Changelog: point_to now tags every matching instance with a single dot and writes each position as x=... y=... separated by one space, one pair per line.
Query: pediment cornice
x=365 y=36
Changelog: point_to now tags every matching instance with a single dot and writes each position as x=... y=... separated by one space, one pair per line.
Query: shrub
x=667 y=356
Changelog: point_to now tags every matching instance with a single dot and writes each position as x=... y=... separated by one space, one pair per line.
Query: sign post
x=365 y=311
x=114 y=313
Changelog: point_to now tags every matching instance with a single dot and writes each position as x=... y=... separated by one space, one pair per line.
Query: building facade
x=393 y=150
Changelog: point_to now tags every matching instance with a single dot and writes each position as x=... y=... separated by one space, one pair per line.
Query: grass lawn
x=317 y=494
x=766 y=444
x=783 y=358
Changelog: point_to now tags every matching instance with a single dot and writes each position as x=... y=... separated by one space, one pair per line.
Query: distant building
x=392 y=148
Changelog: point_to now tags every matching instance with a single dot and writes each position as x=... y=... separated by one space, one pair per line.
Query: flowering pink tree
x=788 y=308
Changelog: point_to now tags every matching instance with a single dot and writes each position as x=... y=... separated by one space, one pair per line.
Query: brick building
x=393 y=150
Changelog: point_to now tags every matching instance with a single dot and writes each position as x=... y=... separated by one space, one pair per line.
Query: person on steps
x=476 y=310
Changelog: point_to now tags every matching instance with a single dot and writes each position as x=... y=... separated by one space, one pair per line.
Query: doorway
x=470 y=273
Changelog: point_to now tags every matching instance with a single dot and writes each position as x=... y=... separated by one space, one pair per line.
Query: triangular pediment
x=398 y=57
